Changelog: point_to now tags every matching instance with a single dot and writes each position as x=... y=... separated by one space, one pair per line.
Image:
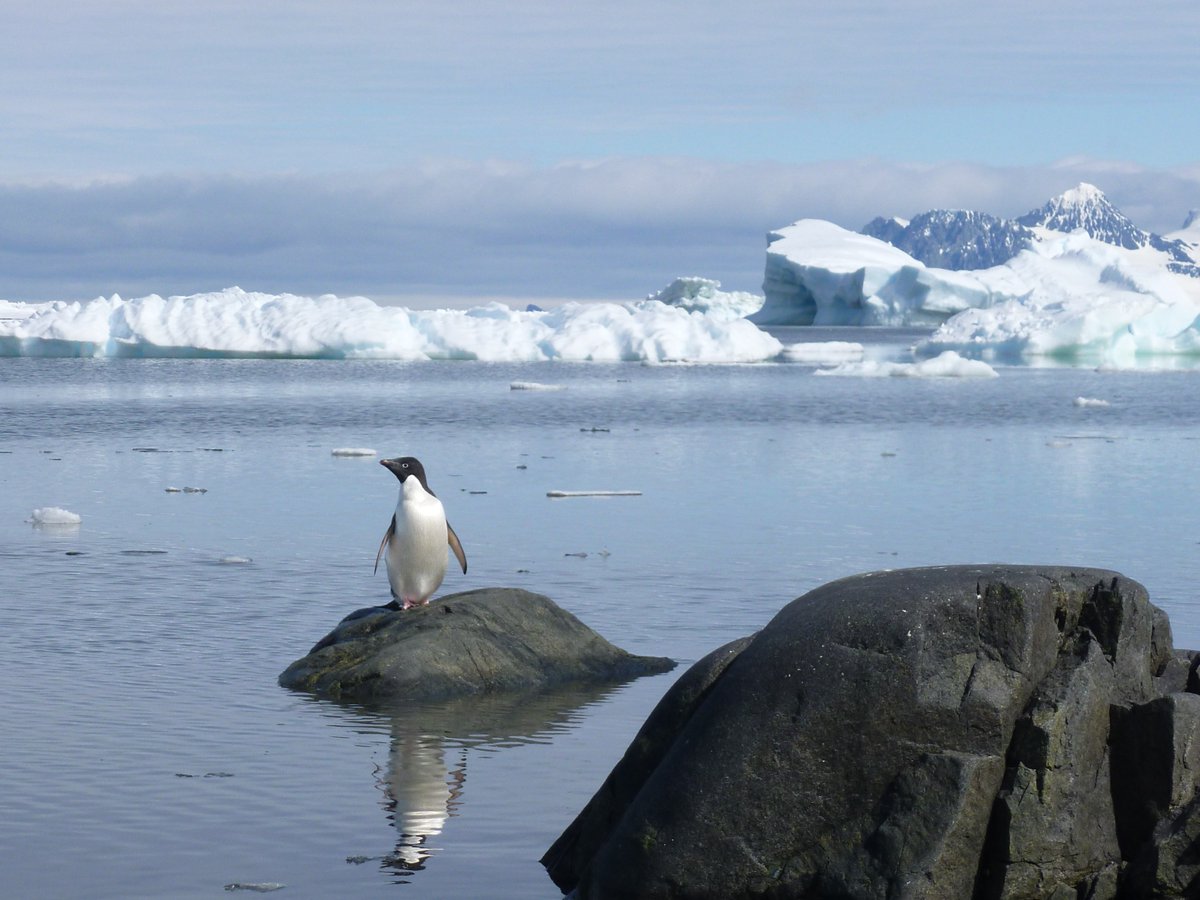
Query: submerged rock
x=493 y=639
x=987 y=732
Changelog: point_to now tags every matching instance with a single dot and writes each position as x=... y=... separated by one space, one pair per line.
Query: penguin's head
x=404 y=467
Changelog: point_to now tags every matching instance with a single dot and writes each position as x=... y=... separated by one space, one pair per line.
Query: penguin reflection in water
x=415 y=543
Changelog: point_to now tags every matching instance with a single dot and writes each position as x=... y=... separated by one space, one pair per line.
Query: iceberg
x=1076 y=299
x=237 y=323
x=705 y=295
x=818 y=273
x=1105 y=293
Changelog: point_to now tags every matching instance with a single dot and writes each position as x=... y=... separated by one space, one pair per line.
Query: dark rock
x=987 y=732
x=580 y=841
x=495 y=639
x=954 y=238
x=1176 y=676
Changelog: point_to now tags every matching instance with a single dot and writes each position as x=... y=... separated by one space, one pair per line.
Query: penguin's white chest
x=416 y=555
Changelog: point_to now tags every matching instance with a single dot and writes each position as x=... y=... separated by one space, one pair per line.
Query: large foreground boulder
x=956 y=732
x=494 y=639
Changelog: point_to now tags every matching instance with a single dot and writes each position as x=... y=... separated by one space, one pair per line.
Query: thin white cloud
x=151 y=86
x=615 y=228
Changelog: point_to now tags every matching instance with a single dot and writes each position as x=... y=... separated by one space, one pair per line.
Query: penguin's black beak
x=392 y=465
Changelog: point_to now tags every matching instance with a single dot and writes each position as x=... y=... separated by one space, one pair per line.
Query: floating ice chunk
x=593 y=493
x=260 y=887
x=235 y=560
x=535 y=386
x=823 y=353
x=1090 y=402
x=54 y=515
x=353 y=451
x=946 y=365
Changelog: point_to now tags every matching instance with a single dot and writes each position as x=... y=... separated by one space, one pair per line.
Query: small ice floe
x=352 y=451
x=186 y=490
x=946 y=365
x=260 y=887
x=1058 y=444
x=558 y=494
x=235 y=560
x=54 y=516
x=822 y=353
x=535 y=386
x=1086 y=402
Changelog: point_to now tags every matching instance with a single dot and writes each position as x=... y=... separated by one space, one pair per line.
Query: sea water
x=148 y=751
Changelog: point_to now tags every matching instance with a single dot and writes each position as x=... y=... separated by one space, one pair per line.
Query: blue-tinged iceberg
x=705 y=295
x=818 y=273
x=1106 y=292
x=237 y=323
x=1078 y=299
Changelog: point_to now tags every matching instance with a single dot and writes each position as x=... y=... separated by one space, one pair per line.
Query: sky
x=437 y=153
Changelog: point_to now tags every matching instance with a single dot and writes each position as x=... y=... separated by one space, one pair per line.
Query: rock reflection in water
x=432 y=743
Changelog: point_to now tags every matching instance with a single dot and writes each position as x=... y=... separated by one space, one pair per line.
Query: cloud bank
x=618 y=228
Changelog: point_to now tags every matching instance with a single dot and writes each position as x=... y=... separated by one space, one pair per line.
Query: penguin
x=416 y=539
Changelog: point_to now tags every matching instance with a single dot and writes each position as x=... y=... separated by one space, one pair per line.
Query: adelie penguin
x=415 y=542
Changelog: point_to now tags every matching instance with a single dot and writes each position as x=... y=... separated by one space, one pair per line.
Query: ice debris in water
x=593 y=493
x=534 y=386
x=53 y=515
x=260 y=887
x=1090 y=401
x=946 y=365
x=823 y=353
x=352 y=451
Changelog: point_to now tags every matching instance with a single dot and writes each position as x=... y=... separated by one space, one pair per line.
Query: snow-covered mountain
x=954 y=238
x=963 y=240
x=1086 y=208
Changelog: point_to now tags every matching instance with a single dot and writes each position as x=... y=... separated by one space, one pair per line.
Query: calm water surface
x=148 y=751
